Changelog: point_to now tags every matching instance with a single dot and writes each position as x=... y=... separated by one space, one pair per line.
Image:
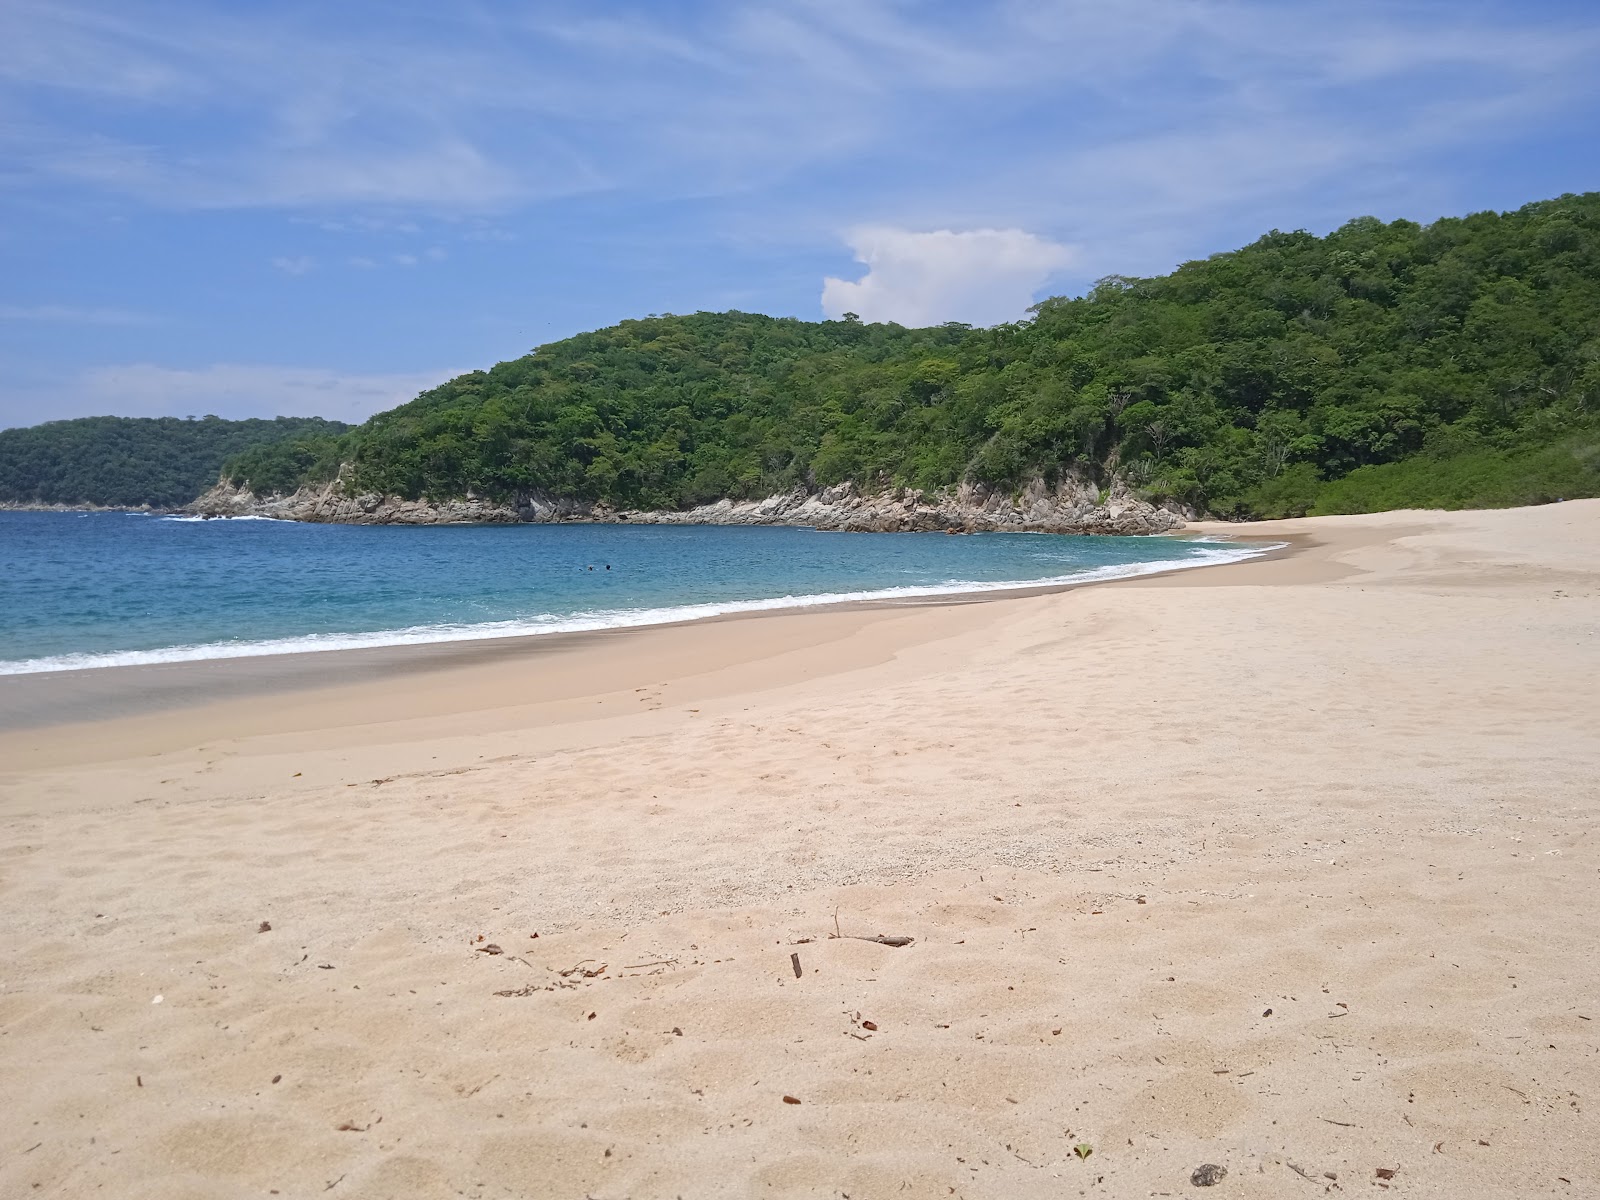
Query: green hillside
x=1451 y=364
x=130 y=461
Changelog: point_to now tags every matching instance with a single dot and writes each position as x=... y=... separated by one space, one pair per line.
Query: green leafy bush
x=1487 y=478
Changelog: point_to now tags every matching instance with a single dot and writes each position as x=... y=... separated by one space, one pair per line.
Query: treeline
x=1453 y=364
x=164 y=462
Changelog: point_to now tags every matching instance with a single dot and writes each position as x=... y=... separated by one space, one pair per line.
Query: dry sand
x=1289 y=867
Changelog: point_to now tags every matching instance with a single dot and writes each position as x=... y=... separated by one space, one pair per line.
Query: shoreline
x=98 y=692
x=220 y=727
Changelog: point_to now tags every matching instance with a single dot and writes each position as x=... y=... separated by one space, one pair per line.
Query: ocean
x=80 y=590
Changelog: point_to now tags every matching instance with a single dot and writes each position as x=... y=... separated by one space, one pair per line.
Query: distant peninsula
x=134 y=462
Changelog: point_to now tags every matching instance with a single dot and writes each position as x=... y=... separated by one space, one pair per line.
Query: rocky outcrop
x=86 y=506
x=329 y=504
x=1074 y=505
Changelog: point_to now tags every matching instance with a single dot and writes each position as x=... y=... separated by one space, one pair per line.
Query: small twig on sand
x=883 y=939
x=836 y=932
x=1300 y=1171
x=334 y=1184
x=794 y=961
x=1331 y=1121
x=665 y=962
x=523 y=961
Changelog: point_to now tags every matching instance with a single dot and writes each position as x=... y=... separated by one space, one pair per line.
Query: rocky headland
x=85 y=506
x=1074 y=505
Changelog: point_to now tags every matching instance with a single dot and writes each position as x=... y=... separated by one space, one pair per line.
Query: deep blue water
x=102 y=589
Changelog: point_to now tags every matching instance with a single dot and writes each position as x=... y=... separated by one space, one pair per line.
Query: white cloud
x=298 y=265
x=516 y=103
x=226 y=389
x=981 y=276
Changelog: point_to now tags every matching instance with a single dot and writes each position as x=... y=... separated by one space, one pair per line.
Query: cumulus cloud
x=980 y=276
x=225 y=389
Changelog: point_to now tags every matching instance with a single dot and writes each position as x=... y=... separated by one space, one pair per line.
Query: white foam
x=213 y=520
x=585 y=622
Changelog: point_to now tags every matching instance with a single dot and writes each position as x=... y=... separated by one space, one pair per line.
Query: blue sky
x=314 y=208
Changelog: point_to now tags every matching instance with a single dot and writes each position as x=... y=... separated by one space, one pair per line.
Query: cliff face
x=1075 y=505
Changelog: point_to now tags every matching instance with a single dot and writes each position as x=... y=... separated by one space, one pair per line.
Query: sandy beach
x=1289 y=866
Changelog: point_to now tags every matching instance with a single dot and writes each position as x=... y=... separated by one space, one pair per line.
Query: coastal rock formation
x=330 y=505
x=42 y=506
x=1074 y=505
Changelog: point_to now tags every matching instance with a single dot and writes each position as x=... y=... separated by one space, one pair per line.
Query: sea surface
x=84 y=590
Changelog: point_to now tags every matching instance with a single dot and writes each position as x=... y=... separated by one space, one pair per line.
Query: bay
x=80 y=590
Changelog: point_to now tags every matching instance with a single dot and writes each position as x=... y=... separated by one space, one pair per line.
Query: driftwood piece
x=1302 y=1172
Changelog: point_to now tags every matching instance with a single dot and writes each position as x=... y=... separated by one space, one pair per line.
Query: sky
x=321 y=209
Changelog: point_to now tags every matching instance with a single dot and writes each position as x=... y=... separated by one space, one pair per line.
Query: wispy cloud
x=225 y=389
x=69 y=315
x=363 y=223
x=498 y=107
x=299 y=264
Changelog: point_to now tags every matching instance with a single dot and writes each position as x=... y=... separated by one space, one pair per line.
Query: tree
x=1159 y=433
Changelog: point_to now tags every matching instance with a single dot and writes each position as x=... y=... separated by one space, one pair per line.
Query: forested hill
x=1383 y=365
x=130 y=461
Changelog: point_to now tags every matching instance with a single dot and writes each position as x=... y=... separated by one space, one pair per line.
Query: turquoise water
x=106 y=589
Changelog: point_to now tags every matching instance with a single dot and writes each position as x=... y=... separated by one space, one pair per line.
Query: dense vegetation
x=131 y=461
x=1448 y=365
